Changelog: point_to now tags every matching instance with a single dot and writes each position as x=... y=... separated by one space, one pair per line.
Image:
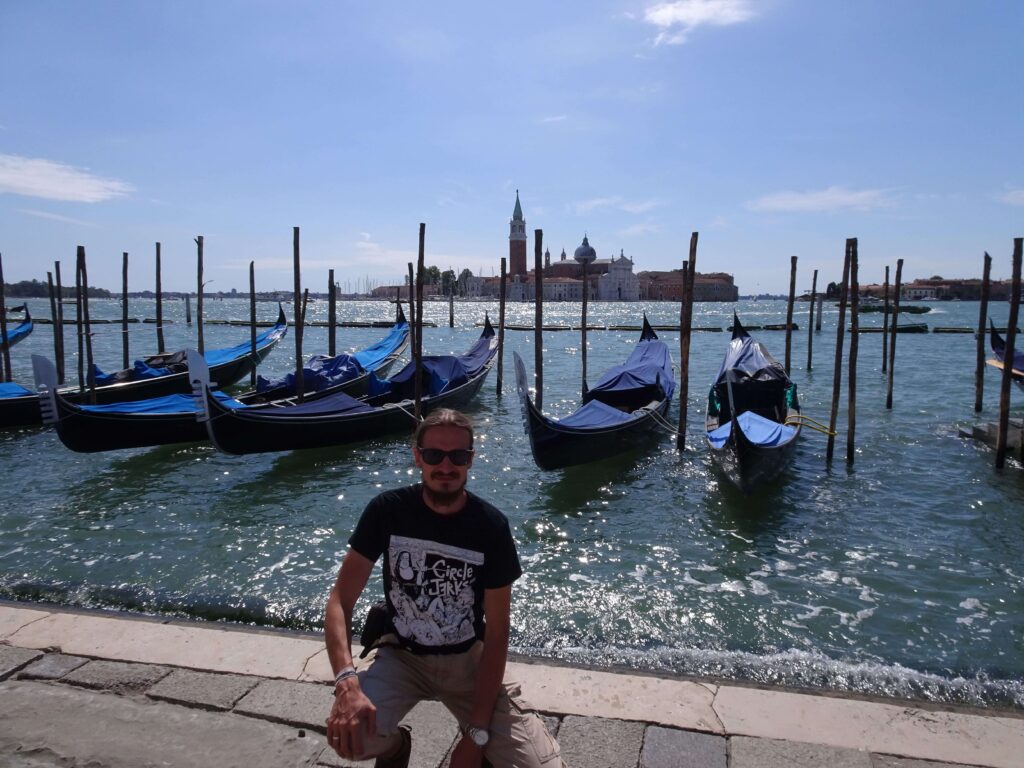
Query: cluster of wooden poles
x=849 y=299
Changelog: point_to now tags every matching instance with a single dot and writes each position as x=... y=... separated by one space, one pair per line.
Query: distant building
x=618 y=283
x=517 y=241
x=939 y=288
x=668 y=286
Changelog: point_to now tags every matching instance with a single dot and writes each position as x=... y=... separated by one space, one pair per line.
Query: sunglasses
x=459 y=457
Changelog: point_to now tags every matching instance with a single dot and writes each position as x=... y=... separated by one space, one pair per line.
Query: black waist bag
x=376 y=629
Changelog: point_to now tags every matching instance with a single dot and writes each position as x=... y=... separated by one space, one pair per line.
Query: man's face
x=444 y=481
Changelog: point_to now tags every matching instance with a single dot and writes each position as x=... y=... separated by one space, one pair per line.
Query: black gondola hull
x=25 y=411
x=749 y=466
x=558 y=447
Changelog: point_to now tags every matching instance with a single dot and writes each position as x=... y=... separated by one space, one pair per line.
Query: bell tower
x=517 y=241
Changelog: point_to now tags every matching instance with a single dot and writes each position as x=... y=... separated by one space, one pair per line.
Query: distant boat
x=618 y=413
x=749 y=405
x=172 y=419
x=18 y=332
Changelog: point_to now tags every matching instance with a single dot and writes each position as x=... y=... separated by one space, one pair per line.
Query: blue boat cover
x=758 y=429
x=441 y=373
x=322 y=372
x=16 y=334
x=142 y=370
x=329 y=405
x=10 y=389
x=595 y=414
x=648 y=367
x=182 y=404
x=748 y=359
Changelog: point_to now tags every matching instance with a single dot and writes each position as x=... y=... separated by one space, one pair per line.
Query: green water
x=901 y=575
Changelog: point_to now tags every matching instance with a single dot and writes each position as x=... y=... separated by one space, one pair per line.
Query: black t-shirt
x=437 y=566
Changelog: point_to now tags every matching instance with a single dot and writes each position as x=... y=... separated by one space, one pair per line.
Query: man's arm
x=491 y=669
x=351 y=711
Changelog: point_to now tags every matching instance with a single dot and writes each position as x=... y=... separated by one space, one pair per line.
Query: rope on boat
x=664 y=423
x=806 y=421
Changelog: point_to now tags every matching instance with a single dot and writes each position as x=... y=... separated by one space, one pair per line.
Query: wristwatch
x=479 y=736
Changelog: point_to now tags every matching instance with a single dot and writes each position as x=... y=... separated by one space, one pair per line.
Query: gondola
x=153 y=376
x=172 y=419
x=447 y=381
x=749 y=405
x=618 y=413
x=998 y=344
x=20 y=331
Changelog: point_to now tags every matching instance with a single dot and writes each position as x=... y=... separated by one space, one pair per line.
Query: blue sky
x=772 y=127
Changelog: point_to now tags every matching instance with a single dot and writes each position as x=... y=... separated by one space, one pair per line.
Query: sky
x=774 y=128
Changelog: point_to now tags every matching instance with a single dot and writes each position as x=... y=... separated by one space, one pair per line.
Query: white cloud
x=677 y=19
x=583 y=207
x=55 y=217
x=554 y=119
x=1012 y=197
x=35 y=177
x=640 y=229
x=831 y=199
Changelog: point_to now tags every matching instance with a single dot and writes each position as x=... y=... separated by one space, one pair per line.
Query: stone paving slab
x=902 y=731
x=664 y=701
x=52 y=666
x=12 y=619
x=116 y=676
x=597 y=742
x=886 y=761
x=746 y=752
x=671 y=748
x=304 y=705
x=67 y=726
x=266 y=654
x=13 y=660
x=206 y=690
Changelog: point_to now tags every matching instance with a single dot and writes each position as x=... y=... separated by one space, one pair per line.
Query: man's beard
x=443 y=498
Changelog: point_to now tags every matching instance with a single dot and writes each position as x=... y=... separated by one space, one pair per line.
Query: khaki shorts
x=397 y=680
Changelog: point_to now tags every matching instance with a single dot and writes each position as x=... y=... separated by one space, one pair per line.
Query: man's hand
x=467 y=754
x=352 y=716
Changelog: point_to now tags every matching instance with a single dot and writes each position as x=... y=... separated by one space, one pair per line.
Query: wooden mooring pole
x=420 y=268
x=817 y=319
x=538 y=319
x=91 y=371
x=199 y=294
x=332 y=314
x=501 y=324
x=810 y=320
x=414 y=330
x=7 y=373
x=885 y=322
x=685 y=332
x=159 y=306
x=252 y=322
x=54 y=301
x=837 y=374
x=78 y=319
x=451 y=304
x=851 y=407
x=1011 y=338
x=892 y=337
x=58 y=319
x=789 y=310
x=125 y=354
x=300 y=381
x=979 y=369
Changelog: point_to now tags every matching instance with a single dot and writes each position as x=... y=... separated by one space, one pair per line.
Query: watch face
x=479 y=736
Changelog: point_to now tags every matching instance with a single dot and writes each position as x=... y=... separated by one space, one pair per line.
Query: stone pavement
x=99 y=690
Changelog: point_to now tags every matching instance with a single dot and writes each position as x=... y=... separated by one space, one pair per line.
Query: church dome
x=585 y=254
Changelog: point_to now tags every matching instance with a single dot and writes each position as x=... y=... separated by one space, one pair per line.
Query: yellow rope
x=806 y=421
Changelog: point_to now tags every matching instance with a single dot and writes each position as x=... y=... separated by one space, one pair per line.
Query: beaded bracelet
x=344 y=674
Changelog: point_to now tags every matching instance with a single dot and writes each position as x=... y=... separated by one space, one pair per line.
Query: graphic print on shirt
x=432 y=590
